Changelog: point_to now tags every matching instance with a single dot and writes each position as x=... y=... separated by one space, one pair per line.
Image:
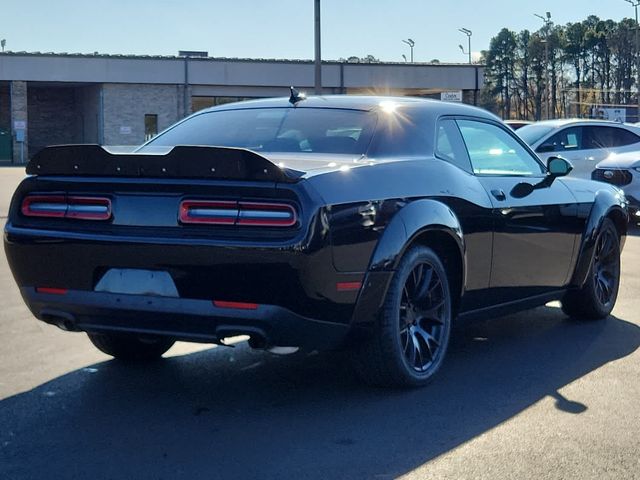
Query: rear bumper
x=181 y=319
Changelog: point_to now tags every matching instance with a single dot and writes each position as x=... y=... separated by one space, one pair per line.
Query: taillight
x=261 y=214
x=266 y=214
x=67 y=206
x=203 y=211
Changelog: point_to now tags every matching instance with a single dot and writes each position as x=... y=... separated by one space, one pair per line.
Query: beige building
x=48 y=99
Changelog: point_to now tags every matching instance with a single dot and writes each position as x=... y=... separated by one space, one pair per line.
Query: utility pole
x=635 y=4
x=318 y=56
x=411 y=44
x=547 y=24
x=468 y=33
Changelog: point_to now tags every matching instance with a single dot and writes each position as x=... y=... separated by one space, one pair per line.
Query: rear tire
x=130 y=348
x=596 y=299
x=411 y=335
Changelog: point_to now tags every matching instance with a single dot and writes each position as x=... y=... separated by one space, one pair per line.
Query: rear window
x=311 y=130
x=532 y=133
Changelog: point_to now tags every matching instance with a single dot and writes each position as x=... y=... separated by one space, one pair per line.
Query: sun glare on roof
x=388 y=106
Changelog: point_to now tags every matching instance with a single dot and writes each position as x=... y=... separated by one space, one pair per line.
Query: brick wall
x=54 y=117
x=125 y=106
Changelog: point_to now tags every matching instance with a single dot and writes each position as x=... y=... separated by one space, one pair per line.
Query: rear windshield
x=312 y=130
x=532 y=133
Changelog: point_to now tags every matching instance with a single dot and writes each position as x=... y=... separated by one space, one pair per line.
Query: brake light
x=266 y=214
x=261 y=214
x=65 y=206
x=203 y=211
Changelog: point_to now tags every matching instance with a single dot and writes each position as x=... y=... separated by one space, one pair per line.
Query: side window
x=450 y=146
x=608 y=137
x=565 y=140
x=494 y=151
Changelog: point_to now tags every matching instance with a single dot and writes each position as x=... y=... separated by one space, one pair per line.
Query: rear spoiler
x=180 y=162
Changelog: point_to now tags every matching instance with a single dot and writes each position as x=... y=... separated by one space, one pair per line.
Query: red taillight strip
x=261 y=214
x=89 y=208
x=267 y=214
x=210 y=212
x=51 y=290
x=44 y=206
x=236 y=305
x=62 y=206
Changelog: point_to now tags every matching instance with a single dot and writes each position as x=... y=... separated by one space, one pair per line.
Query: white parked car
x=623 y=170
x=583 y=142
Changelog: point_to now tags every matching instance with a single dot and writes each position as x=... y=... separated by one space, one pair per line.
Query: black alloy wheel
x=606 y=267
x=408 y=344
x=422 y=317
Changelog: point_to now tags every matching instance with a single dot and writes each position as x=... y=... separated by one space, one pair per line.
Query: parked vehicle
x=365 y=223
x=583 y=142
x=623 y=170
x=517 y=124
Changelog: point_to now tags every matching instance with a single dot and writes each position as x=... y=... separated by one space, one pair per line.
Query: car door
x=566 y=142
x=534 y=234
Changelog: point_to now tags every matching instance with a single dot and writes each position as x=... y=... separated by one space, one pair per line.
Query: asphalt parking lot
x=532 y=395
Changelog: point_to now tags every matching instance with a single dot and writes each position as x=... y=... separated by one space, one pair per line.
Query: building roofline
x=227 y=59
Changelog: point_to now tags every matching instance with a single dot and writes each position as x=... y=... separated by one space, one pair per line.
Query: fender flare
x=412 y=220
x=606 y=204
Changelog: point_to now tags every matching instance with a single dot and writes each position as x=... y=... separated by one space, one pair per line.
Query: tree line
x=564 y=69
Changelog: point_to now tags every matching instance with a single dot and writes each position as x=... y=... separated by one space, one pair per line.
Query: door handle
x=499 y=194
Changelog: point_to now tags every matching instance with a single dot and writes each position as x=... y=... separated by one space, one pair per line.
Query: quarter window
x=494 y=151
x=450 y=146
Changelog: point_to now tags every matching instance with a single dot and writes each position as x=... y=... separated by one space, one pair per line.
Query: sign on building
x=455 y=96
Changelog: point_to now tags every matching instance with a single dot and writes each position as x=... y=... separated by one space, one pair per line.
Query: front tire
x=411 y=335
x=596 y=299
x=130 y=348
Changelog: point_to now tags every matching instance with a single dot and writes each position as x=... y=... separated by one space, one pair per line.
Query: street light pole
x=635 y=4
x=411 y=44
x=318 y=55
x=547 y=23
x=468 y=33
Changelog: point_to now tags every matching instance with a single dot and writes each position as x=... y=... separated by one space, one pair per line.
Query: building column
x=18 y=94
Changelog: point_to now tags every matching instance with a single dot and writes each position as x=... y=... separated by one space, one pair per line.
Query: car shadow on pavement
x=235 y=413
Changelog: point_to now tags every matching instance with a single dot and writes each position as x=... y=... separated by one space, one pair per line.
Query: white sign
x=125 y=130
x=614 y=114
x=19 y=125
x=451 y=96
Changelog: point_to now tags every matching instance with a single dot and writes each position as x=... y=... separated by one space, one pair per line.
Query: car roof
x=580 y=121
x=364 y=103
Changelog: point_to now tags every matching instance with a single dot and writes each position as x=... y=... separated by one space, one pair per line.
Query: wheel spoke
x=429 y=341
x=422 y=289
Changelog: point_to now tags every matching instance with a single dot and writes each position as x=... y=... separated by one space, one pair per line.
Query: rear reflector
x=51 y=290
x=65 y=206
x=236 y=305
x=260 y=214
x=348 y=286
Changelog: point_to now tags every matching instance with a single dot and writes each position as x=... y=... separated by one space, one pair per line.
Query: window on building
x=150 y=126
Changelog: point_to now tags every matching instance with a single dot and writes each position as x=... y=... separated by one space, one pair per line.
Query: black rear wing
x=222 y=163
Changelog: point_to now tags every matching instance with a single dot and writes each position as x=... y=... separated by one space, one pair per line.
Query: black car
x=365 y=223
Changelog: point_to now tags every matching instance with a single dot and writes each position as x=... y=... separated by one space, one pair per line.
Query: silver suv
x=583 y=142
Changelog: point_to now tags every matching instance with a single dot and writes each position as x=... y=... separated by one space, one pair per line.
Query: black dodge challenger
x=366 y=223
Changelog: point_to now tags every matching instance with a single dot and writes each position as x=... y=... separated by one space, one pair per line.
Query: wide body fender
x=417 y=218
x=606 y=204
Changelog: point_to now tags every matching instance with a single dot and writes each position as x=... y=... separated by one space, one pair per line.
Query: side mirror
x=558 y=167
x=546 y=148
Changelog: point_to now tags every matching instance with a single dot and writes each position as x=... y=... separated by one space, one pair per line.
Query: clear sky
x=279 y=28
